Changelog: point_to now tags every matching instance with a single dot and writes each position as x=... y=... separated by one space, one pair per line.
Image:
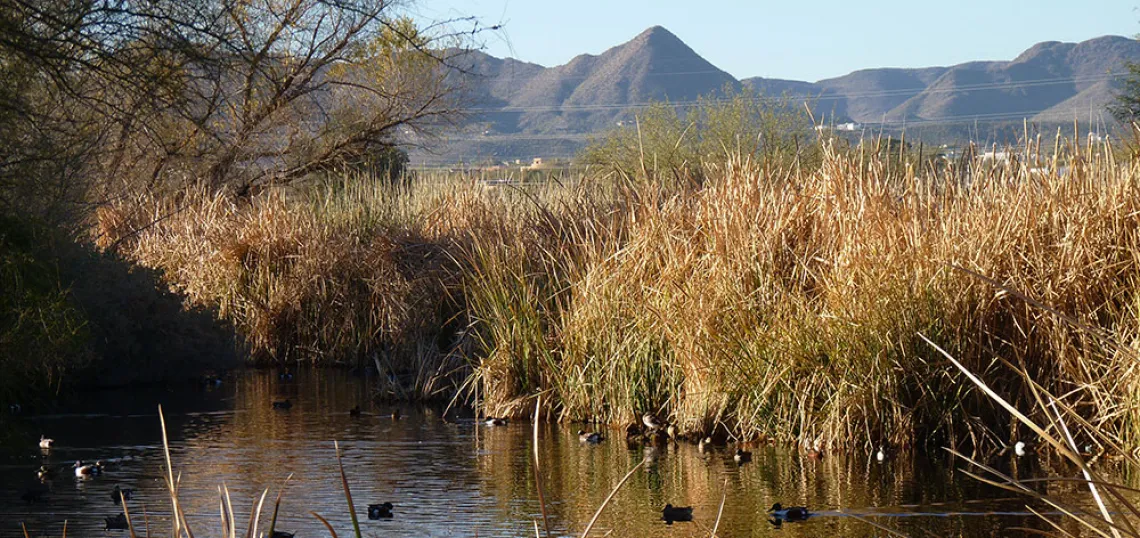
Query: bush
x=670 y=143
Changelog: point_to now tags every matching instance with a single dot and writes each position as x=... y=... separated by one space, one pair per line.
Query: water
x=449 y=478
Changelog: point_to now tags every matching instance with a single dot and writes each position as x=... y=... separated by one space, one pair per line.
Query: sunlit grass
x=766 y=301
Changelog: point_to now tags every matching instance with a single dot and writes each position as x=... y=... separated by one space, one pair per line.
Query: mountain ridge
x=524 y=109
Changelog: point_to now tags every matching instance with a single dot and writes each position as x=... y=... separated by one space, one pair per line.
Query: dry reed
x=768 y=300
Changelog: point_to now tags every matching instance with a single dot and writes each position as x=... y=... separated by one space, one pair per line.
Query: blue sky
x=803 y=40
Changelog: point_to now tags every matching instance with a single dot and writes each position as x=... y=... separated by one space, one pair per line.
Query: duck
x=651 y=422
x=791 y=513
x=118 y=495
x=116 y=523
x=671 y=431
x=281 y=534
x=355 y=411
x=283 y=405
x=704 y=445
x=396 y=414
x=44 y=472
x=881 y=454
x=592 y=438
x=742 y=456
x=15 y=408
x=676 y=513
x=46 y=443
x=378 y=511
x=1021 y=448
x=494 y=421
x=84 y=470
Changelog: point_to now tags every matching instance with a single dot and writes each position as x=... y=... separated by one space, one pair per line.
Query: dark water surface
x=450 y=478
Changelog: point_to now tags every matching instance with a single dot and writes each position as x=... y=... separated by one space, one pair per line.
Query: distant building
x=846 y=127
x=996 y=156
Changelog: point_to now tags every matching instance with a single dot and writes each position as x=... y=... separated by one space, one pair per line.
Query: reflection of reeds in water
x=1115 y=513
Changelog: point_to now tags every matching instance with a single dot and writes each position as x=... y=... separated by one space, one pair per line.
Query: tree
x=672 y=143
x=1126 y=104
x=235 y=93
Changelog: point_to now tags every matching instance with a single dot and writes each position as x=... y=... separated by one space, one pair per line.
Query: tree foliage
x=104 y=96
x=1126 y=104
x=666 y=141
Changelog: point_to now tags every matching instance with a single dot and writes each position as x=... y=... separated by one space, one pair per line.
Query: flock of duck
x=120 y=494
x=653 y=430
x=81 y=470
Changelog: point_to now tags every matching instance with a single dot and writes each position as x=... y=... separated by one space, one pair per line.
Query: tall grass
x=765 y=300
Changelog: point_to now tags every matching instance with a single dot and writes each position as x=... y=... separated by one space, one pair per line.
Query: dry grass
x=766 y=301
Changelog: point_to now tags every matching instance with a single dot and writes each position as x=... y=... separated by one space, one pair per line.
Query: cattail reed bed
x=762 y=300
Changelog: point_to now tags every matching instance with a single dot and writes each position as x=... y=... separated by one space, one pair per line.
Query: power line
x=820 y=98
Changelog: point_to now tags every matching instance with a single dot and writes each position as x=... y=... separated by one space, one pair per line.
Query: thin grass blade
x=277 y=505
x=538 y=467
x=347 y=492
x=328 y=526
x=611 y=496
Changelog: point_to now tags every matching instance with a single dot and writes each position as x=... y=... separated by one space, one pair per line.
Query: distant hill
x=1044 y=82
x=590 y=92
x=521 y=110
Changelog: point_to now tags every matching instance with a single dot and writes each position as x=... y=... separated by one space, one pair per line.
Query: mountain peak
x=657 y=36
x=657 y=30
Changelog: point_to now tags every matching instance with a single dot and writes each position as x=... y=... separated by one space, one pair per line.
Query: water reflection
x=455 y=477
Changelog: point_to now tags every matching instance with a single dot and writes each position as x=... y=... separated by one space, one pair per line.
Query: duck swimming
x=676 y=513
x=46 y=443
x=592 y=438
x=378 y=511
x=742 y=456
x=791 y=513
x=493 y=421
x=116 y=523
x=85 y=470
x=283 y=405
x=119 y=494
x=355 y=411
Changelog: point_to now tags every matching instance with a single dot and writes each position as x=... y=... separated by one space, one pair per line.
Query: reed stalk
x=768 y=299
x=609 y=497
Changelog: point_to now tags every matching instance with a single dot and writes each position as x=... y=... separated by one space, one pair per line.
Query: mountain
x=592 y=92
x=520 y=110
x=1044 y=82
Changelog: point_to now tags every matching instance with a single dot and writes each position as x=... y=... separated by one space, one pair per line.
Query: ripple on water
x=449 y=479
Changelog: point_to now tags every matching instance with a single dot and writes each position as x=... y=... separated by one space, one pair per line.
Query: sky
x=802 y=40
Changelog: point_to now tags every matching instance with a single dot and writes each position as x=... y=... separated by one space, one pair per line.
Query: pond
x=453 y=477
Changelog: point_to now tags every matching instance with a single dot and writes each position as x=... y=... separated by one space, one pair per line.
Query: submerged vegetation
x=771 y=299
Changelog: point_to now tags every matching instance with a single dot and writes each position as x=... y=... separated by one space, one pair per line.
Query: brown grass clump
x=767 y=300
x=301 y=278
